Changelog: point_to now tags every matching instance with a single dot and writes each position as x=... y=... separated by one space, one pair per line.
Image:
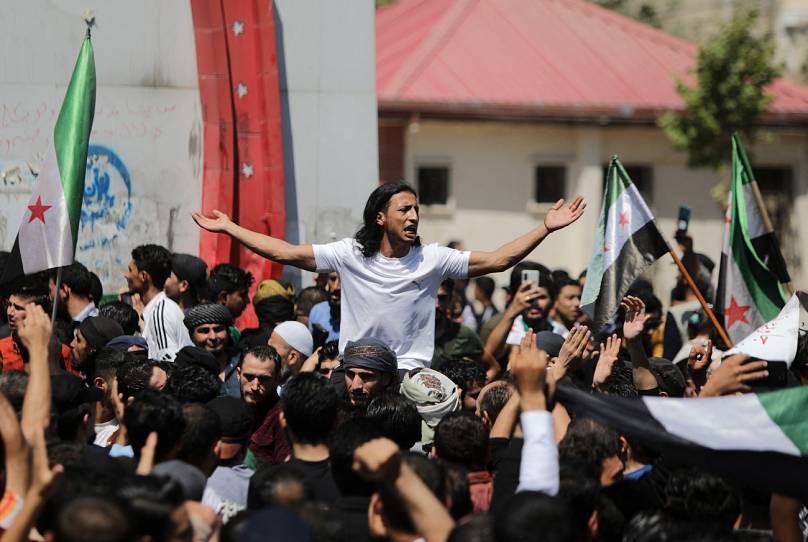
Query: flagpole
x=56 y=295
x=710 y=314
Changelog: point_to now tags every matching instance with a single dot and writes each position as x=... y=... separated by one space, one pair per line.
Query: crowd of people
x=392 y=400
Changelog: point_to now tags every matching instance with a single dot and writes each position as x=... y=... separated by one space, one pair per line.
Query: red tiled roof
x=555 y=59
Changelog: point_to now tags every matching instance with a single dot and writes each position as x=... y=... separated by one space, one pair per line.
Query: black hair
x=269 y=480
x=588 y=443
x=85 y=517
x=106 y=362
x=669 y=378
x=370 y=234
x=494 y=400
x=203 y=429
x=701 y=497
x=96 y=288
x=309 y=297
x=532 y=515
x=462 y=438
x=154 y=260
x=621 y=381
x=122 y=313
x=153 y=411
x=559 y=275
x=345 y=439
x=457 y=489
x=565 y=281
x=463 y=372
x=12 y=386
x=150 y=502
x=34 y=287
x=266 y=353
x=394 y=510
x=397 y=418
x=193 y=384
x=310 y=407
x=228 y=278
x=475 y=528
x=133 y=377
x=486 y=284
x=76 y=277
x=581 y=491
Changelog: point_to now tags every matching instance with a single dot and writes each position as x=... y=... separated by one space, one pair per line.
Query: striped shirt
x=164 y=330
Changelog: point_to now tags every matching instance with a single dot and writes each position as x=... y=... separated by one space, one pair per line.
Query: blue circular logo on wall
x=107 y=204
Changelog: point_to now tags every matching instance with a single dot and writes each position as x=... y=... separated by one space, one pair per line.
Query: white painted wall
x=492 y=170
x=331 y=148
x=147 y=116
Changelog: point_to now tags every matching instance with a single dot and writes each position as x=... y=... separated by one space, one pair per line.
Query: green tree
x=732 y=70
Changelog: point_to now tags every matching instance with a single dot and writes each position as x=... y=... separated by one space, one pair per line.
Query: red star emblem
x=38 y=210
x=736 y=313
x=623 y=218
x=727 y=217
x=605 y=247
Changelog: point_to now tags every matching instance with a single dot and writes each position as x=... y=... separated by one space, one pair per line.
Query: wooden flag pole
x=710 y=314
x=56 y=297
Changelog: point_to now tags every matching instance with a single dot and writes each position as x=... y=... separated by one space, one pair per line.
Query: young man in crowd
x=483 y=293
x=309 y=412
x=327 y=314
x=163 y=329
x=186 y=284
x=385 y=265
x=370 y=369
x=75 y=293
x=207 y=324
x=567 y=304
x=229 y=285
x=91 y=336
x=258 y=374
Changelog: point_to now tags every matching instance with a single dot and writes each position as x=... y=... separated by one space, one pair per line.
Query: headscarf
x=370 y=353
x=434 y=396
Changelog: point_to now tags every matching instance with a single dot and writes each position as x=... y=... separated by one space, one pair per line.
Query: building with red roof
x=495 y=108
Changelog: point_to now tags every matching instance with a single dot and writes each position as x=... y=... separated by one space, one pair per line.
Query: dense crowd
x=392 y=400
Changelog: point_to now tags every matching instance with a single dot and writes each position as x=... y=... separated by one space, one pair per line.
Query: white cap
x=296 y=335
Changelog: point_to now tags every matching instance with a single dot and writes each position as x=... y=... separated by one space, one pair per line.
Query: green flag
x=50 y=225
x=749 y=292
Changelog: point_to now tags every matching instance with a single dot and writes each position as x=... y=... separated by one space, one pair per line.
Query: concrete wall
x=328 y=84
x=147 y=136
x=145 y=145
x=492 y=175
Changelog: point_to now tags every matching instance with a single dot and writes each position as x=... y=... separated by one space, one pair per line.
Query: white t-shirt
x=164 y=330
x=103 y=432
x=391 y=299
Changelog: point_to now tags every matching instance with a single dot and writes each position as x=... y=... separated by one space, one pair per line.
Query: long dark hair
x=370 y=234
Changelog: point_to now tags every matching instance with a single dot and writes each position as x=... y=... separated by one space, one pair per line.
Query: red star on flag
x=736 y=313
x=605 y=247
x=623 y=218
x=38 y=210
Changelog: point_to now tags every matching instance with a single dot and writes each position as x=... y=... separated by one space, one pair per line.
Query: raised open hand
x=217 y=224
x=732 y=376
x=573 y=348
x=635 y=317
x=560 y=216
x=606 y=360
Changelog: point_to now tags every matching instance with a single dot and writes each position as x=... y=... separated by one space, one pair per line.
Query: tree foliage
x=732 y=70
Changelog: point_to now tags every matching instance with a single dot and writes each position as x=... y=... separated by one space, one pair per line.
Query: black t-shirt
x=317 y=475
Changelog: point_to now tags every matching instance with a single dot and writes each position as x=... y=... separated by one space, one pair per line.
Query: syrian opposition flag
x=778 y=339
x=50 y=224
x=626 y=243
x=760 y=440
x=749 y=292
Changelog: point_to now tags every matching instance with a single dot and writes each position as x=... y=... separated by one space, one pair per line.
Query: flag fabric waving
x=50 y=225
x=777 y=339
x=748 y=293
x=626 y=243
x=760 y=440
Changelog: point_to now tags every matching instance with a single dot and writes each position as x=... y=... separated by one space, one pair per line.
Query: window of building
x=643 y=178
x=433 y=185
x=550 y=184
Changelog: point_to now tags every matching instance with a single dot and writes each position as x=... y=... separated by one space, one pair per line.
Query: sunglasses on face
x=262 y=379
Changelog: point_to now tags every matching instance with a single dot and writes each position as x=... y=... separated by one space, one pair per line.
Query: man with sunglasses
x=258 y=376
